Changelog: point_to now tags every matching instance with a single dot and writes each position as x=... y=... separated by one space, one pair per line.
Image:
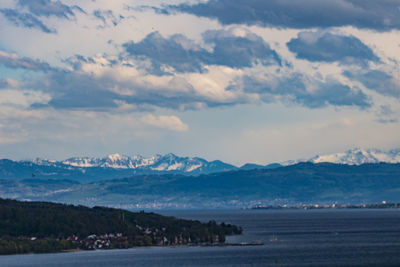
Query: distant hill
x=250 y=166
x=300 y=183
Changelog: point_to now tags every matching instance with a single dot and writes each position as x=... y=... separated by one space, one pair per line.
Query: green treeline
x=49 y=227
x=10 y=245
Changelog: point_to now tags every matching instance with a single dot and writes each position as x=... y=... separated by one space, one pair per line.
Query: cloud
x=49 y=8
x=11 y=60
x=306 y=91
x=369 y=14
x=70 y=90
x=376 y=80
x=385 y=114
x=108 y=91
x=25 y=20
x=107 y=17
x=184 y=55
x=166 y=122
x=22 y=98
x=10 y=83
x=38 y=8
x=239 y=48
x=103 y=83
x=328 y=47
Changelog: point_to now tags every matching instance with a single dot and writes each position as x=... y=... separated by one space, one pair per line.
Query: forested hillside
x=45 y=227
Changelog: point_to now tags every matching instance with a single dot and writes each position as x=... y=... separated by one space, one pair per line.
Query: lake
x=291 y=238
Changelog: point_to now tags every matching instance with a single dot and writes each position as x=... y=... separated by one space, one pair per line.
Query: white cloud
x=23 y=98
x=166 y=122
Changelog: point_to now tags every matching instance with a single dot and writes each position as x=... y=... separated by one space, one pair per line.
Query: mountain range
x=87 y=169
x=171 y=162
x=302 y=183
x=157 y=163
x=169 y=181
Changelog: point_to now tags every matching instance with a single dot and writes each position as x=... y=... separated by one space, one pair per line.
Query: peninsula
x=43 y=227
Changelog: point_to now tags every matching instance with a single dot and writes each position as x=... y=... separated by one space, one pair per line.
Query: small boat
x=273 y=238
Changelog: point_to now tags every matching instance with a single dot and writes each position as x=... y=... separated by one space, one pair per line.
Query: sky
x=235 y=80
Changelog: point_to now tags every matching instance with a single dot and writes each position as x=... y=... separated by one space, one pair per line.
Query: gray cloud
x=234 y=51
x=385 y=114
x=184 y=55
x=71 y=90
x=49 y=8
x=36 y=9
x=25 y=20
x=107 y=16
x=77 y=90
x=325 y=46
x=3 y=83
x=104 y=91
x=376 y=80
x=16 y=62
x=169 y=52
x=371 y=14
x=294 y=89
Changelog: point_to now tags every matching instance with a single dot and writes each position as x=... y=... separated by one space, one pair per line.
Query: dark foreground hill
x=300 y=183
x=48 y=227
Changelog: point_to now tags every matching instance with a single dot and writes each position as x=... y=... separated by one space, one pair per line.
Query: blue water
x=291 y=238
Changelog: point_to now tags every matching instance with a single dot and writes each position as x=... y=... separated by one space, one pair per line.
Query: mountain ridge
x=120 y=166
x=157 y=163
x=305 y=183
x=354 y=156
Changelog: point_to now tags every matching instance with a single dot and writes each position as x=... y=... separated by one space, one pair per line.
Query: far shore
x=382 y=205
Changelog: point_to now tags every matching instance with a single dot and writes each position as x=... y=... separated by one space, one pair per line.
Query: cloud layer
x=184 y=55
x=305 y=90
x=368 y=14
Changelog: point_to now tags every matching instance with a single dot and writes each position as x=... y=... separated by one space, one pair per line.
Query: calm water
x=292 y=238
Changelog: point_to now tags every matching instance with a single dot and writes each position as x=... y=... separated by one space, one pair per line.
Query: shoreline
x=241 y=244
x=382 y=205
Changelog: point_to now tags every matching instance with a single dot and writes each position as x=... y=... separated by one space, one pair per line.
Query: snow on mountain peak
x=167 y=162
x=357 y=156
x=354 y=156
x=114 y=157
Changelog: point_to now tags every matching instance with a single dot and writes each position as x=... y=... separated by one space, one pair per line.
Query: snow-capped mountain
x=116 y=161
x=158 y=163
x=120 y=166
x=359 y=156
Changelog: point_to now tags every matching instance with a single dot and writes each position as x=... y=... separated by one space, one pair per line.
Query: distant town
x=382 y=205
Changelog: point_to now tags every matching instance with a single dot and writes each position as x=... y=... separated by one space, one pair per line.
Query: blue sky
x=236 y=80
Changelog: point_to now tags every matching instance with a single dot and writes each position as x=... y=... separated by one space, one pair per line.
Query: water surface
x=291 y=238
